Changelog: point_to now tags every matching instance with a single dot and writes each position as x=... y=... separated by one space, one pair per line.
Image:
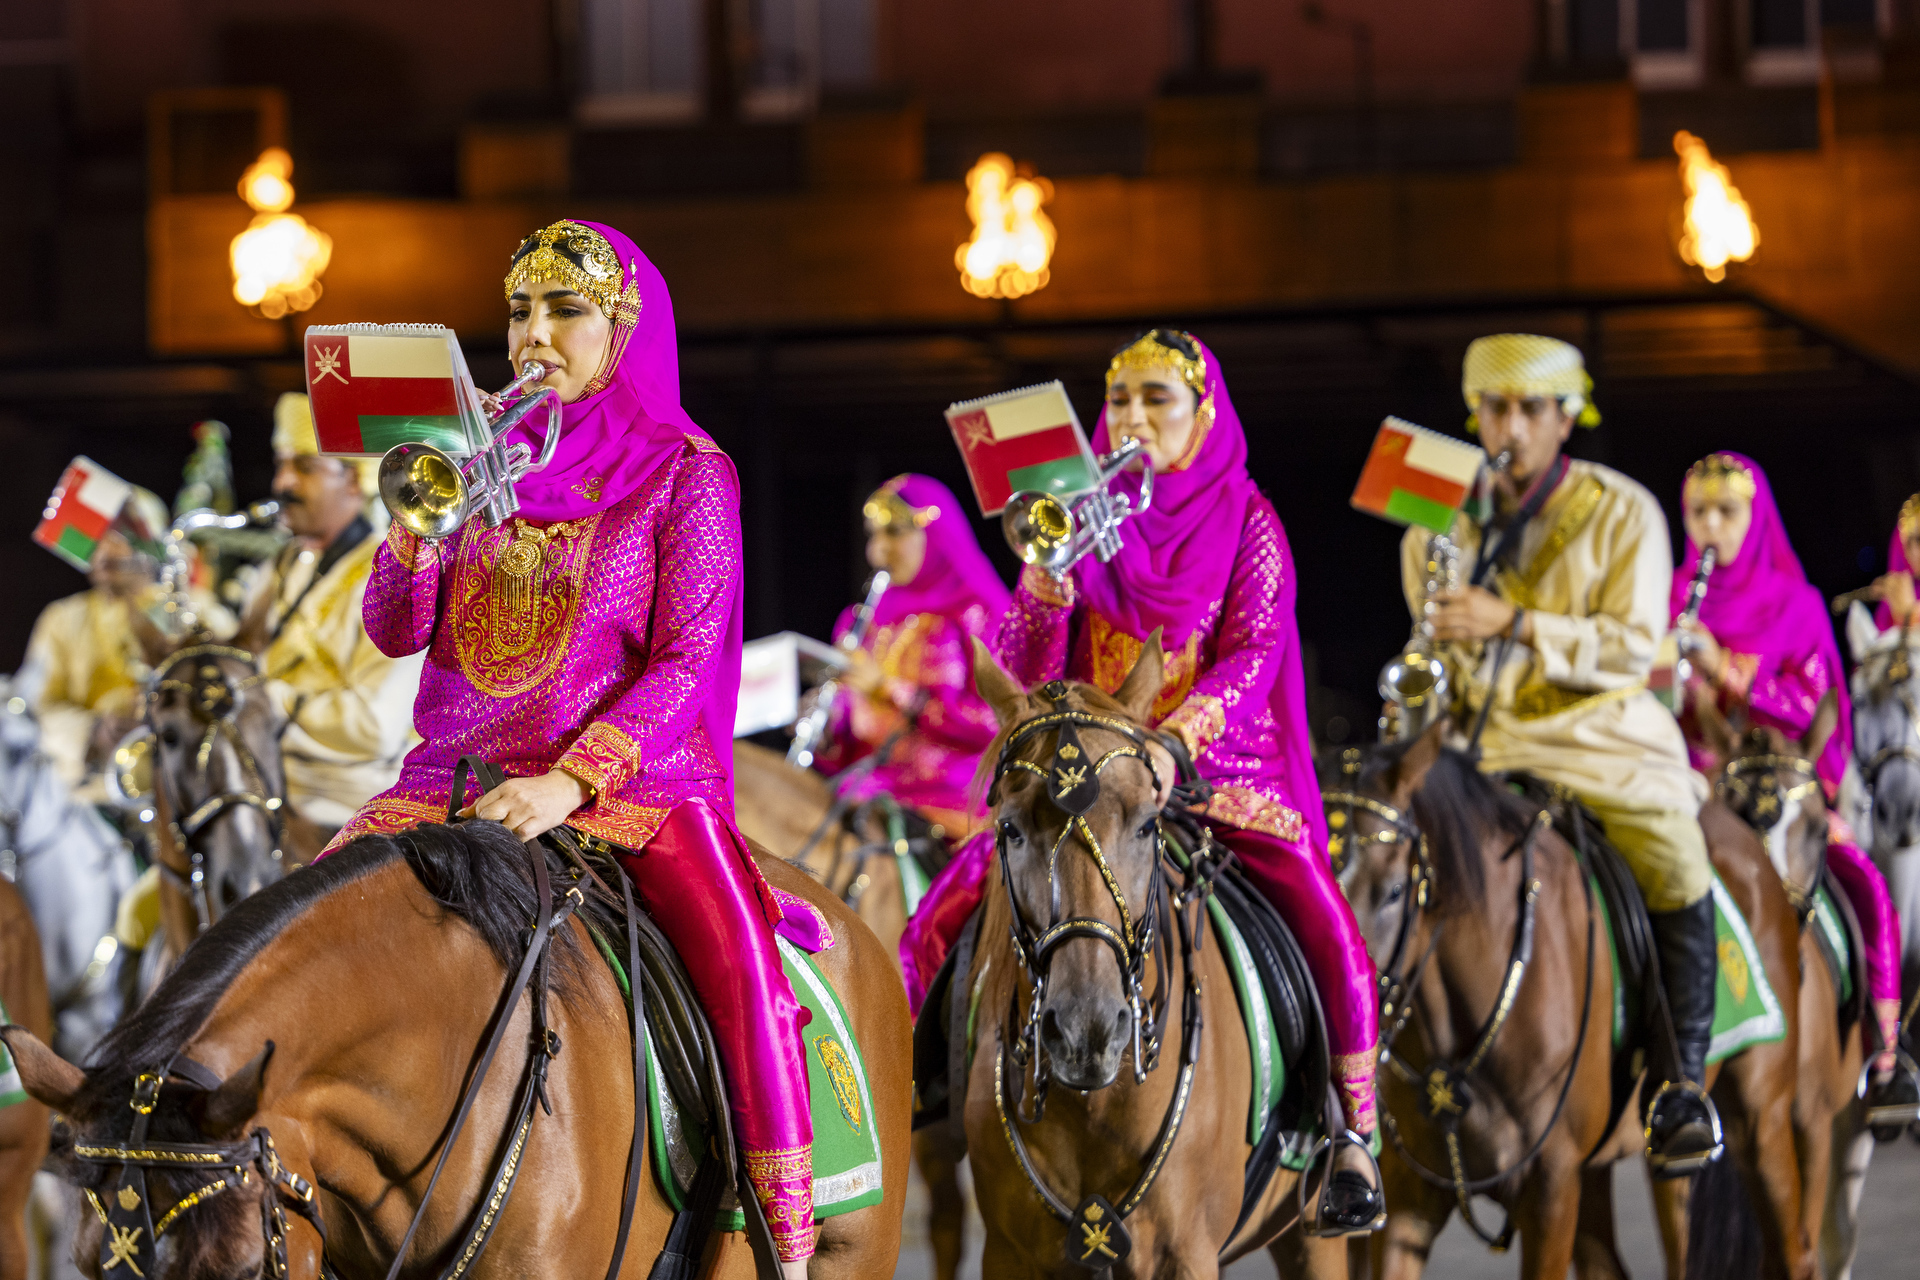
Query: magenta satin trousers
x=1300 y=886
x=696 y=881
x=1866 y=890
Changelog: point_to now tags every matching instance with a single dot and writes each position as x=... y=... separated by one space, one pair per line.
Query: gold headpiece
x=294 y=435
x=579 y=257
x=1719 y=473
x=1910 y=516
x=886 y=509
x=1526 y=364
x=1147 y=352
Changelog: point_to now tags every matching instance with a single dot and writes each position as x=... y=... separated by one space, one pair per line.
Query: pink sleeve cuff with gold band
x=1047 y=589
x=410 y=551
x=602 y=757
x=1197 y=722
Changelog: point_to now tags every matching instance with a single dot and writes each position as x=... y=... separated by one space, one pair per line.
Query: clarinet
x=813 y=726
x=1683 y=628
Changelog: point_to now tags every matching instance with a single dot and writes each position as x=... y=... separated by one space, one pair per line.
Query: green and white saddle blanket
x=11 y=1090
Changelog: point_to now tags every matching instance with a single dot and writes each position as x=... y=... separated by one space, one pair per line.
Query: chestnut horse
x=1109 y=1131
x=340 y=1012
x=1441 y=863
x=23 y=1124
x=1767 y=777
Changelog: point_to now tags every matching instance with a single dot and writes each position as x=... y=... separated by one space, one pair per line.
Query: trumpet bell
x=1414 y=685
x=1040 y=529
x=424 y=490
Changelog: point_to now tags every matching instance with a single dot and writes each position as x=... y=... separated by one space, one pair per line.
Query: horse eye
x=1147 y=827
x=1010 y=833
x=1396 y=893
x=170 y=736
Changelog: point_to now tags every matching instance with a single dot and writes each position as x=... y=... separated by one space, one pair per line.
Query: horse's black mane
x=478 y=871
x=1456 y=808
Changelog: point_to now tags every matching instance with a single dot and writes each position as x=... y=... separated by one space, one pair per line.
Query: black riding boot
x=1683 y=1130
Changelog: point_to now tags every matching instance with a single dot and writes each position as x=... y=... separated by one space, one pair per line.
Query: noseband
x=215 y=699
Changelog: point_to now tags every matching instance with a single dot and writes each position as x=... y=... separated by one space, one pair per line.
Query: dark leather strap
x=636 y=1156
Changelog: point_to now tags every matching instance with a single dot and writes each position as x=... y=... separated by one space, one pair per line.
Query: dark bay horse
x=23 y=1125
x=1443 y=868
x=340 y=1012
x=1106 y=1129
x=1767 y=778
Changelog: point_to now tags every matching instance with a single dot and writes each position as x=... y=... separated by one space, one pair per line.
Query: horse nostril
x=1050 y=1027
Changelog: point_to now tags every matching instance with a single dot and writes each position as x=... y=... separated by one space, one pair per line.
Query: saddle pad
x=1746 y=1011
x=846 y=1151
x=11 y=1090
x=1263 y=1038
x=1827 y=919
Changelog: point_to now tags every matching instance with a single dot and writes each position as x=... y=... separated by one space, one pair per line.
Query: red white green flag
x=1417 y=476
x=84 y=505
x=375 y=386
x=1028 y=439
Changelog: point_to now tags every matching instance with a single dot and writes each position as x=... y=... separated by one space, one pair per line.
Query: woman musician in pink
x=1208 y=565
x=1763 y=643
x=914 y=714
x=590 y=647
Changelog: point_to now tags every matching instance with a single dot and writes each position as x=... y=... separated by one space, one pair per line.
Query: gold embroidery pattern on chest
x=516 y=592
x=1114 y=652
x=900 y=649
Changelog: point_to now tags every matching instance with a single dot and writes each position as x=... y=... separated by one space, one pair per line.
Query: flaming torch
x=277 y=260
x=1719 y=226
x=1012 y=239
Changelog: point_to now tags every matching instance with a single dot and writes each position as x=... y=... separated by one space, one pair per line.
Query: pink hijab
x=612 y=440
x=956 y=574
x=1762 y=604
x=1178 y=560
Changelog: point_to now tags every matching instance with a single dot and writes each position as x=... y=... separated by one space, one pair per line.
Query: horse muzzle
x=1085 y=1038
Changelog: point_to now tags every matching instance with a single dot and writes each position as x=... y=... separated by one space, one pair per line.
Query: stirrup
x=1320 y=1227
x=1663 y=1166
x=1889 y=1119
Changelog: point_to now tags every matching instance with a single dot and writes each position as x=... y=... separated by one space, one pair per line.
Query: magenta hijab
x=1896 y=563
x=613 y=439
x=956 y=574
x=1178 y=560
x=1762 y=604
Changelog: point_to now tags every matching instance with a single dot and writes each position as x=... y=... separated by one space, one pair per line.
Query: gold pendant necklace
x=513 y=575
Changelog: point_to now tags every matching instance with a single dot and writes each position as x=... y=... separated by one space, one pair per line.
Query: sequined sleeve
x=1032 y=643
x=1254 y=629
x=698 y=554
x=1788 y=695
x=403 y=594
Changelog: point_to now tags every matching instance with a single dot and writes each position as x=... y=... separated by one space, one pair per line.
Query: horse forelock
x=1458 y=809
x=1081 y=696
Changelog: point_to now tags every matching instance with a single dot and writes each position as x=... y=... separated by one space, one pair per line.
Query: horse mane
x=1457 y=809
x=477 y=871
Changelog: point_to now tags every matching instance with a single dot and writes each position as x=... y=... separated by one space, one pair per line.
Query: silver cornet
x=431 y=494
x=1055 y=535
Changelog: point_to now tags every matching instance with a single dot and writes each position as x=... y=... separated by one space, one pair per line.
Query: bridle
x=1764 y=804
x=1443 y=1085
x=1899 y=670
x=1096 y=1235
x=215 y=698
x=129 y=1236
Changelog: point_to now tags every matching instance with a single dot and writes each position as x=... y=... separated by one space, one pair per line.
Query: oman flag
x=375 y=386
x=1417 y=476
x=1018 y=440
x=84 y=505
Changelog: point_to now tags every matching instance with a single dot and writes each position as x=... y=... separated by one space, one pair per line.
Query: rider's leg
x=697 y=881
x=1667 y=853
x=1866 y=890
x=943 y=913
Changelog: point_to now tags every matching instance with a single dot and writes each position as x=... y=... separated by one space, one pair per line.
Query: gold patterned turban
x=1526 y=364
x=294 y=436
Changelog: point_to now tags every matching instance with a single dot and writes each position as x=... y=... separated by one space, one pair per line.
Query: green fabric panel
x=1070 y=474
x=1411 y=508
x=1828 y=916
x=380 y=432
x=11 y=1090
x=1613 y=954
x=1745 y=1010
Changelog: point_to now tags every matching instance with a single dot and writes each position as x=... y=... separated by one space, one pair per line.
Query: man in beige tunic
x=349 y=706
x=1569 y=582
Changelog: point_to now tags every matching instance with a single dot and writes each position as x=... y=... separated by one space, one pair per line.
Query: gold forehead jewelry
x=886 y=509
x=1719 y=473
x=580 y=258
x=1149 y=351
x=1910 y=516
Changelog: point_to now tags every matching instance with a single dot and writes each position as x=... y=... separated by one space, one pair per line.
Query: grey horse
x=1881 y=795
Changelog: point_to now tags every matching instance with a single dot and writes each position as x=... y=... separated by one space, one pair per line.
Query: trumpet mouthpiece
x=1500 y=461
x=538 y=370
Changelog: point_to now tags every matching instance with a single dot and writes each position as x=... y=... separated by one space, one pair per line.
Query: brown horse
x=23 y=1125
x=1109 y=1132
x=1767 y=777
x=340 y=1012
x=1442 y=868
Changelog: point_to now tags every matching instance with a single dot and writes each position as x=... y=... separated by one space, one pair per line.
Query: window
x=641 y=60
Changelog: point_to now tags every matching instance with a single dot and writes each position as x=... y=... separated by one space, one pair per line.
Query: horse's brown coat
x=23 y=1126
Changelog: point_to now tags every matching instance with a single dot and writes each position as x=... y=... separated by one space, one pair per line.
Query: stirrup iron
x=1322 y=1209
x=1663 y=1166
x=1891 y=1119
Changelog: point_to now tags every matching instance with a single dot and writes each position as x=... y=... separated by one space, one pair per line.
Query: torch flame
x=277 y=260
x=1719 y=225
x=1012 y=240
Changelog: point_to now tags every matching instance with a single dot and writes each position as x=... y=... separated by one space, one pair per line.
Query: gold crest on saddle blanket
x=846 y=1089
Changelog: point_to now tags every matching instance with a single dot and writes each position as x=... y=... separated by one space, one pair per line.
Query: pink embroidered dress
x=926 y=717
x=1781 y=659
x=1209 y=565
x=599 y=632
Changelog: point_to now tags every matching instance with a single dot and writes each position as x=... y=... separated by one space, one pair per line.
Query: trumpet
x=175 y=568
x=1414 y=682
x=431 y=493
x=1683 y=625
x=813 y=726
x=1054 y=535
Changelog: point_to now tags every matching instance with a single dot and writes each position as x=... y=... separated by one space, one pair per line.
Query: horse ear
x=1826 y=718
x=237 y=1099
x=1413 y=767
x=1000 y=690
x=46 y=1076
x=1721 y=737
x=1142 y=685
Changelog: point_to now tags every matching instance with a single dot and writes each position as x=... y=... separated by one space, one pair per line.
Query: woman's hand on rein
x=531 y=807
